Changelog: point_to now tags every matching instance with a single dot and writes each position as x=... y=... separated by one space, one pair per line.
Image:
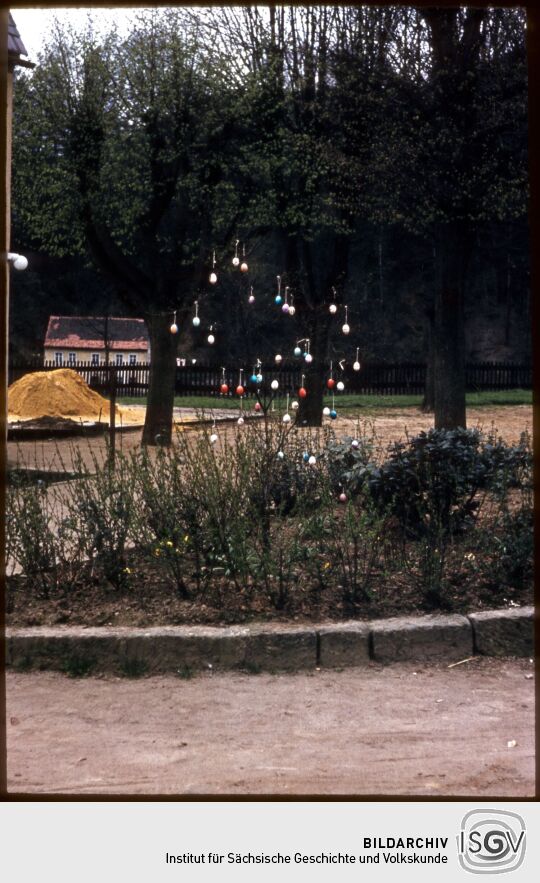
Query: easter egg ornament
x=280 y=455
x=257 y=407
x=326 y=411
x=312 y=460
x=224 y=389
x=278 y=299
x=274 y=385
x=346 y=328
x=213 y=438
x=333 y=414
x=213 y=275
x=340 y=386
x=211 y=339
x=243 y=265
x=236 y=259
x=174 y=327
x=240 y=388
x=343 y=497
x=285 y=307
x=302 y=392
x=292 y=308
x=356 y=365
x=355 y=443
x=240 y=421
x=251 y=298
x=297 y=351
x=196 y=321
x=287 y=417
x=294 y=405
x=277 y=359
x=333 y=306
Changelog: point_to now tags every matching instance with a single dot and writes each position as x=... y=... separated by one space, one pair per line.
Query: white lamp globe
x=20 y=262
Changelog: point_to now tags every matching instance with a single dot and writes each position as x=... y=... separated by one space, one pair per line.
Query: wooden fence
x=375 y=378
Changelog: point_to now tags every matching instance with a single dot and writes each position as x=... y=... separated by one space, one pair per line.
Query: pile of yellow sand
x=60 y=393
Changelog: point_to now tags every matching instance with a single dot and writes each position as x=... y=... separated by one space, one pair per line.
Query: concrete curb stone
x=504 y=632
x=419 y=638
x=270 y=646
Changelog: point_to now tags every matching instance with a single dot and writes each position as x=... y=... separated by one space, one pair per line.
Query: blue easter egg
x=278 y=299
x=253 y=378
x=305 y=456
x=333 y=415
x=297 y=351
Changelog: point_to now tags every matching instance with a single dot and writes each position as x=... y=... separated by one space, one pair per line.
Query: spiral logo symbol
x=491 y=841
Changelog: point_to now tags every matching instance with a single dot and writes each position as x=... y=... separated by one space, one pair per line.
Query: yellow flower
x=169 y=544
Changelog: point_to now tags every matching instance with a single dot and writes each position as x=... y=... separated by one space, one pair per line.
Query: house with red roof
x=97 y=340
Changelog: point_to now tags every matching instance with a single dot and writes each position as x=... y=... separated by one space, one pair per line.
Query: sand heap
x=60 y=393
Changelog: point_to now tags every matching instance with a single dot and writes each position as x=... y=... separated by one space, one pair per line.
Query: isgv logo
x=491 y=841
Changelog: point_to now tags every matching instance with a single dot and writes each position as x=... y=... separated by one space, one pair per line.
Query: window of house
x=59 y=358
x=95 y=359
x=72 y=358
x=132 y=359
x=119 y=358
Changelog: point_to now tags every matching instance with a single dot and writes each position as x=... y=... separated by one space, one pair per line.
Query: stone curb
x=270 y=647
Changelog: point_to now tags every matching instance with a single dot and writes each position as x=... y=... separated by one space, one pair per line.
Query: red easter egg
x=257 y=406
x=330 y=383
x=239 y=390
x=224 y=389
x=302 y=392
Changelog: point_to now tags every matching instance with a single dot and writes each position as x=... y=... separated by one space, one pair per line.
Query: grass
x=351 y=402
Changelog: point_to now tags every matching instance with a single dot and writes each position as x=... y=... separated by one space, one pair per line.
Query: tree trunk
x=449 y=330
x=428 y=402
x=159 y=410
x=310 y=409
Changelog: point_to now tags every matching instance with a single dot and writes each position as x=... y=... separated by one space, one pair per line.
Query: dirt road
x=383 y=730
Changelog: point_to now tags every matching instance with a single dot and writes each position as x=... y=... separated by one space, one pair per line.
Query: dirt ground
x=388 y=425
x=400 y=730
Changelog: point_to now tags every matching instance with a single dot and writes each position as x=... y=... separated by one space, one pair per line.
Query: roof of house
x=88 y=332
x=16 y=47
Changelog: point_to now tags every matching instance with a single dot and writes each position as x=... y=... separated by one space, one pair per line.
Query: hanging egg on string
x=174 y=327
x=239 y=390
x=213 y=438
x=302 y=392
x=305 y=457
x=253 y=378
x=294 y=405
x=274 y=385
x=292 y=309
x=280 y=455
x=251 y=298
x=355 y=443
x=224 y=388
x=308 y=357
x=213 y=275
x=240 y=421
x=297 y=351
x=330 y=383
x=259 y=378
x=286 y=418
x=356 y=364
x=312 y=460
x=333 y=414
x=243 y=265
x=257 y=407
x=196 y=321
x=340 y=386
x=211 y=339
x=346 y=327
x=285 y=307
x=333 y=306
x=236 y=259
x=326 y=411
x=277 y=359
x=278 y=299
x=343 y=497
